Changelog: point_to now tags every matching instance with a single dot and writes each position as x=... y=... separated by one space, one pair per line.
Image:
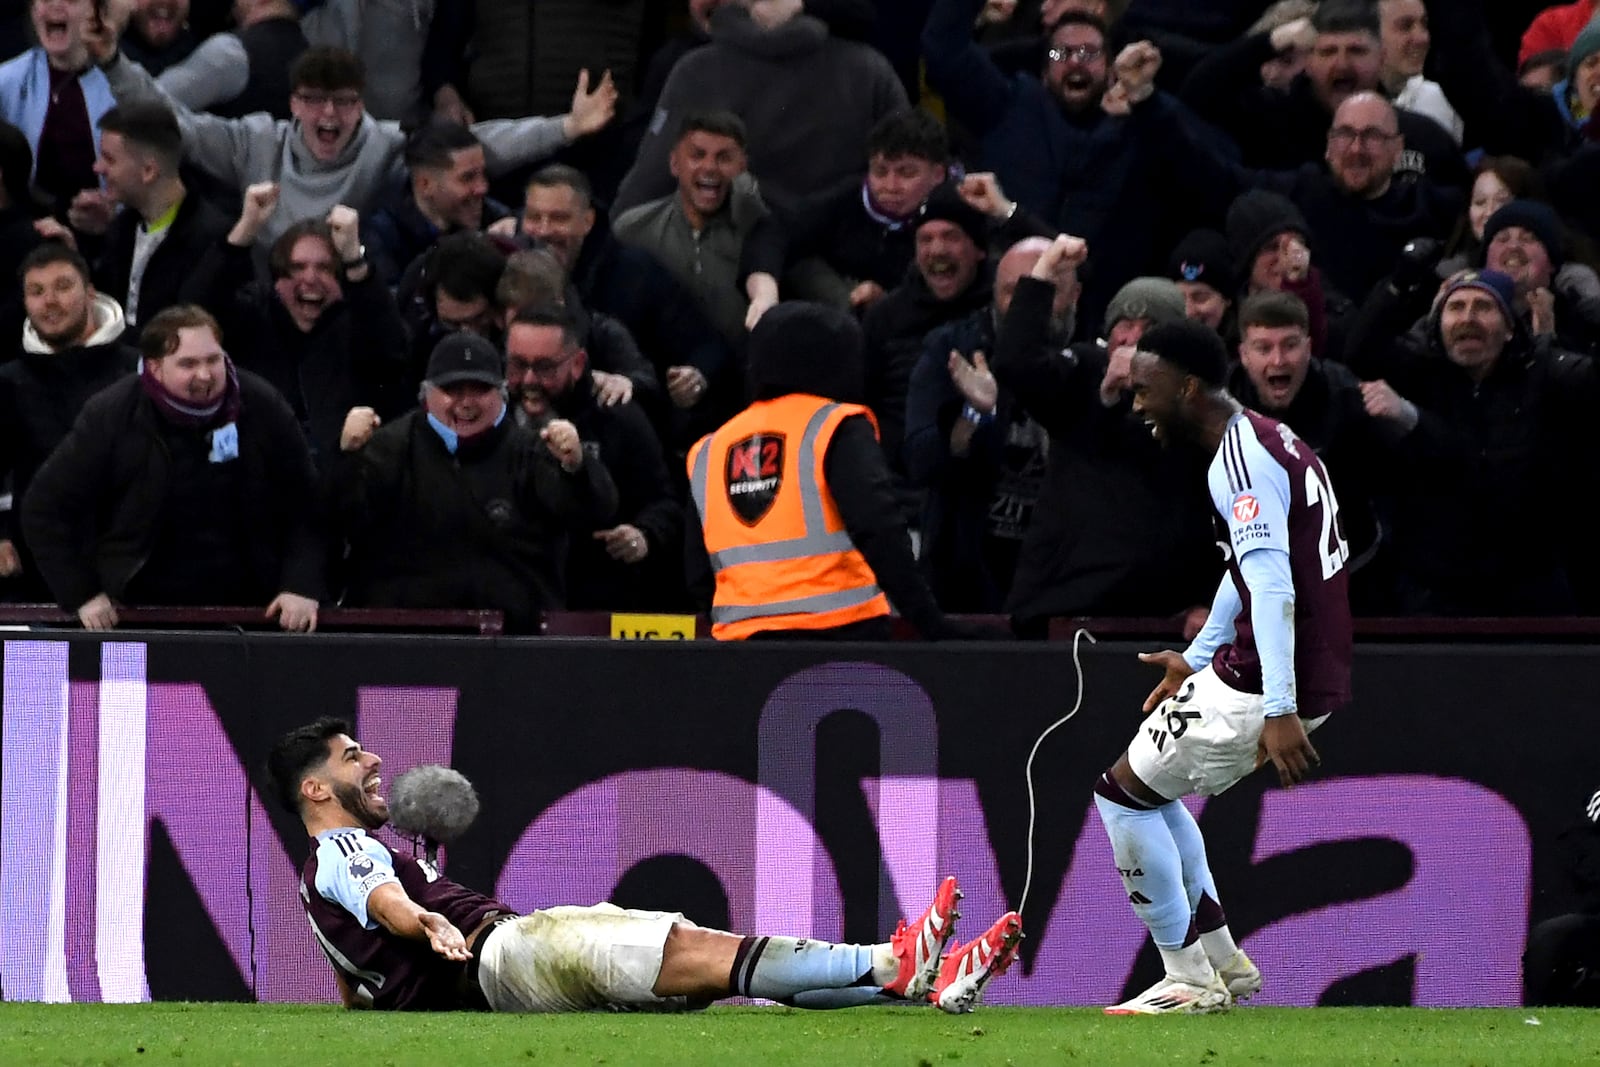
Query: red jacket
x=1555 y=28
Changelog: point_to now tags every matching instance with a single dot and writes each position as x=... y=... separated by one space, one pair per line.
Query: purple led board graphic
x=88 y=769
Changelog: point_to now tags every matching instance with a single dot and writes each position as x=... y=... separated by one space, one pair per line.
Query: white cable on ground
x=1077 y=666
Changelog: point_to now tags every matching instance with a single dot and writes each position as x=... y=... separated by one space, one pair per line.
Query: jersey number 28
x=1335 y=549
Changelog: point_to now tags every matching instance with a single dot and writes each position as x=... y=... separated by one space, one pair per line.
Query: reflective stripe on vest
x=806 y=605
x=816 y=541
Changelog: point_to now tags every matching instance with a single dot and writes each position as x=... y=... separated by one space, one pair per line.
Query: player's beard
x=359 y=803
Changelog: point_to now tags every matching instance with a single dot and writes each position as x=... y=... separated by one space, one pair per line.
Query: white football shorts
x=600 y=958
x=1203 y=740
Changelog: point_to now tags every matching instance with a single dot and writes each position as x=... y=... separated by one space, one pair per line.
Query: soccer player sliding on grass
x=400 y=936
x=1271 y=663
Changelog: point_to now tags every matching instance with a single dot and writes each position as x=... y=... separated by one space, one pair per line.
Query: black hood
x=801 y=347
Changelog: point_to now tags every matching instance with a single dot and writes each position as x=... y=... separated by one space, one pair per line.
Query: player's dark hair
x=151 y=126
x=1192 y=347
x=327 y=69
x=159 y=338
x=54 y=252
x=466 y=266
x=722 y=123
x=283 y=248
x=1347 y=16
x=433 y=145
x=560 y=174
x=1274 y=310
x=296 y=752
x=909 y=132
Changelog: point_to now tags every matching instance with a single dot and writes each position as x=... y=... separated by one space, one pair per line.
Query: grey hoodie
x=259 y=148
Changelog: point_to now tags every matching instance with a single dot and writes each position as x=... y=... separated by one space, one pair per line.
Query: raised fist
x=561 y=437
x=346 y=227
x=359 y=426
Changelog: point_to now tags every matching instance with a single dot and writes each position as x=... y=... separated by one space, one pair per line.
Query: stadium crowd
x=424 y=304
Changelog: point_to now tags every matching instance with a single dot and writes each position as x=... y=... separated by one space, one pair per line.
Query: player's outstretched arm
x=404 y=917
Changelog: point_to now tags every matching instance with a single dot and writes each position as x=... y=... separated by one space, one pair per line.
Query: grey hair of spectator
x=532 y=276
x=1281 y=14
x=560 y=175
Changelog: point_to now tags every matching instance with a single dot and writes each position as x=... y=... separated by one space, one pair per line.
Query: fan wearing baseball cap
x=456 y=506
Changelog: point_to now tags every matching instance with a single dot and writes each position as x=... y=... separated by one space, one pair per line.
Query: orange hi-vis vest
x=782 y=557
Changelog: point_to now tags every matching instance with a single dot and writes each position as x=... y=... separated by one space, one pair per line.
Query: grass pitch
x=251 y=1034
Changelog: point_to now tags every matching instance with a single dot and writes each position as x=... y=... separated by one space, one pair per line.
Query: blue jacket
x=25 y=96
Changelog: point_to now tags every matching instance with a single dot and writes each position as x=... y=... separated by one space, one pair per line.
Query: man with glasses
x=1360 y=208
x=1280 y=130
x=635 y=561
x=454 y=505
x=1087 y=154
x=331 y=151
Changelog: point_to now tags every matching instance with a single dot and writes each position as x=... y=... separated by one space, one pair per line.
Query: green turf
x=223 y=1034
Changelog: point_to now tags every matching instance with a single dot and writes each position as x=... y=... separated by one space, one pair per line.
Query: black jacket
x=970 y=498
x=484 y=528
x=895 y=328
x=1481 y=519
x=630 y=285
x=1123 y=526
x=646 y=498
x=40 y=396
x=356 y=350
x=182 y=269
x=99 y=506
x=395 y=236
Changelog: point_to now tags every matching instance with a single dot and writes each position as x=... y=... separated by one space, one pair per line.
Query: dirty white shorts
x=1201 y=741
x=601 y=958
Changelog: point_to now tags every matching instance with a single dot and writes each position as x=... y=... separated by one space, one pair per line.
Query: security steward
x=801 y=535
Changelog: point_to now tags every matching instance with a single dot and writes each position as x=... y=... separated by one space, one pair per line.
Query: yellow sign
x=652 y=627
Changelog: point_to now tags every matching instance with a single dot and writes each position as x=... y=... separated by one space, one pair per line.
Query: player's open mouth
x=371 y=786
x=327 y=135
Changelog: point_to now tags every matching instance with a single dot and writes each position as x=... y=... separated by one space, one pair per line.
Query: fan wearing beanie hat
x=1204 y=272
x=1473 y=331
x=1524 y=239
x=1139 y=305
x=1582 y=87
